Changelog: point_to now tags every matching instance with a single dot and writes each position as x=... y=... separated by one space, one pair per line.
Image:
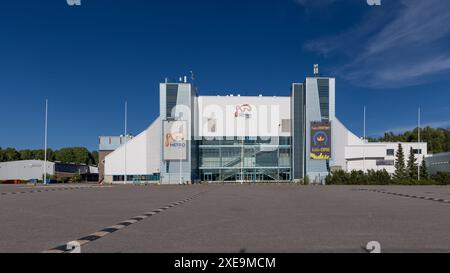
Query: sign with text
x=320 y=140
x=175 y=140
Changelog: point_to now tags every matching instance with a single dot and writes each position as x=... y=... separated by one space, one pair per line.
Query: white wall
x=25 y=170
x=342 y=138
x=265 y=116
x=354 y=155
x=154 y=147
x=143 y=154
x=349 y=151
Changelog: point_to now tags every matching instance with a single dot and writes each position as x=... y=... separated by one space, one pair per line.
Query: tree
x=438 y=139
x=94 y=158
x=11 y=154
x=412 y=165
x=400 y=169
x=78 y=155
x=424 y=169
x=26 y=155
x=65 y=155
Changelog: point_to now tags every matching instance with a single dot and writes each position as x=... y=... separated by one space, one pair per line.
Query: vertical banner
x=320 y=140
x=175 y=142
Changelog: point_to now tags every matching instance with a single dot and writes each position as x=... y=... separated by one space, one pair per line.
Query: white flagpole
x=45 y=142
x=418 y=144
x=126 y=138
x=364 y=141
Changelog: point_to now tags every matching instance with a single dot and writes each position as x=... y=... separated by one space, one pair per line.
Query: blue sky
x=88 y=60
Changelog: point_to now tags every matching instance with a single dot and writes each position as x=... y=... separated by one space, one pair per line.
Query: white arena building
x=247 y=139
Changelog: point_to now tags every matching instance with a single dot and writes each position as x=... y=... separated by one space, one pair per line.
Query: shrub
x=76 y=178
x=441 y=178
x=382 y=177
x=306 y=180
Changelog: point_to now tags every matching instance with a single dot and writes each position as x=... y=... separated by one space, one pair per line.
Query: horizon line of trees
x=438 y=139
x=77 y=155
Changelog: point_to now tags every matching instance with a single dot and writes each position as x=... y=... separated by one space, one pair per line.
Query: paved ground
x=227 y=218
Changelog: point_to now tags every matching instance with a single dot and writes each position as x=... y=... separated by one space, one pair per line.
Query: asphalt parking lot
x=225 y=218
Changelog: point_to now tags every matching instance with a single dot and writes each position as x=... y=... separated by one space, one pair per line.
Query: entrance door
x=207 y=177
x=259 y=177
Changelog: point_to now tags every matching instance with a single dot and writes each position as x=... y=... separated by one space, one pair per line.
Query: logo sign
x=175 y=140
x=243 y=111
x=320 y=140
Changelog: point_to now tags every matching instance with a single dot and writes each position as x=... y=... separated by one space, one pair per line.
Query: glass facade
x=171 y=98
x=248 y=159
x=324 y=98
x=298 y=130
x=137 y=178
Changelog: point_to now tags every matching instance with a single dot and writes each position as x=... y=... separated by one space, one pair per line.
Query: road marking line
x=52 y=190
x=117 y=227
x=409 y=196
x=106 y=231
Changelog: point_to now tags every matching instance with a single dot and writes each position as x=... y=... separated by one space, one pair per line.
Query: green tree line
x=78 y=155
x=438 y=139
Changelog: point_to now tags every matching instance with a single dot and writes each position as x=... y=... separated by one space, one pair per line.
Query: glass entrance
x=207 y=177
x=246 y=176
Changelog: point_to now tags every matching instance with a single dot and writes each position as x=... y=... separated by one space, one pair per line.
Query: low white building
x=25 y=170
x=353 y=153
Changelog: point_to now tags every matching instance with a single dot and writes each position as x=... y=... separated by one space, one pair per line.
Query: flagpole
x=364 y=142
x=45 y=141
x=418 y=144
x=126 y=138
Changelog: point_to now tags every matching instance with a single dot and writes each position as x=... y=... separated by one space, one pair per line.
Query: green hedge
x=382 y=177
x=441 y=178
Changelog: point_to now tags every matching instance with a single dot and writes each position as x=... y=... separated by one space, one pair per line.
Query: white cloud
x=400 y=44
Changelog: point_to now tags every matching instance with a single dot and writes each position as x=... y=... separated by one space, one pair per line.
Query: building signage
x=175 y=140
x=243 y=111
x=320 y=140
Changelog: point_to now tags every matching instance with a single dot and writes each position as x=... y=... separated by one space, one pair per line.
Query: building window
x=171 y=98
x=417 y=151
x=390 y=152
x=324 y=98
x=385 y=162
x=285 y=125
x=137 y=178
x=118 y=178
